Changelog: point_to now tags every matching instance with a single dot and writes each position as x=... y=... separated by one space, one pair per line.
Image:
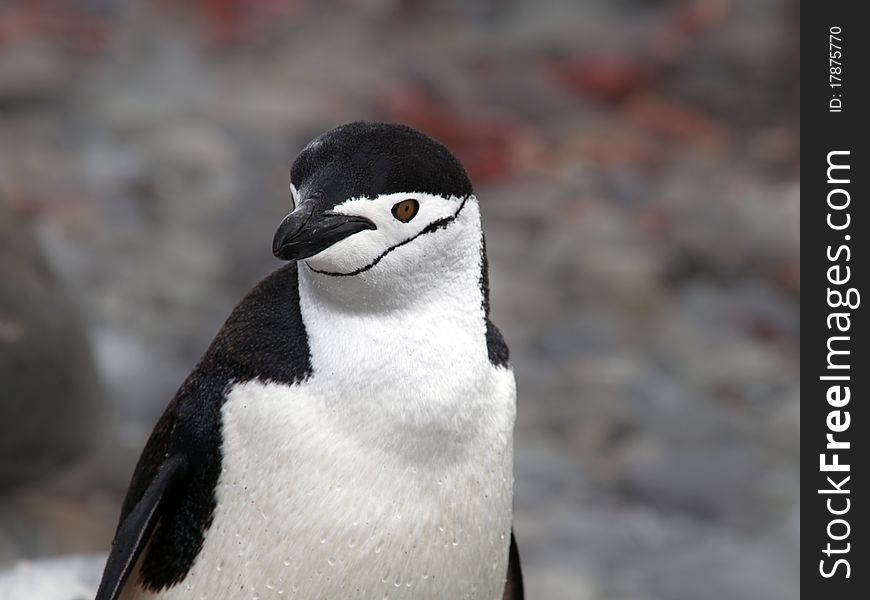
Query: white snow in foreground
x=71 y=577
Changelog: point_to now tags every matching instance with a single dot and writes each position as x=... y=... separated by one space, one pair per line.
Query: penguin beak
x=304 y=232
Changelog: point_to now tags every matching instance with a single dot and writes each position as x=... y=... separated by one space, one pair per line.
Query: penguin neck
x=414 y=352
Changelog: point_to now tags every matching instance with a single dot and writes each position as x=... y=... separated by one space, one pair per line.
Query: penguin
x=349 y=431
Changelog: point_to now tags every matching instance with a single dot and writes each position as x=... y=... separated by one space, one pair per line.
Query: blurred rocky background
x=637 y=164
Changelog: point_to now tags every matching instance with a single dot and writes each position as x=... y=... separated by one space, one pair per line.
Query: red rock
x=675 y=121
x=490 y=145
x=606 y=79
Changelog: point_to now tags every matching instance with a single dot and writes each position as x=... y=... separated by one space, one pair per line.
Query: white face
x=398 y=244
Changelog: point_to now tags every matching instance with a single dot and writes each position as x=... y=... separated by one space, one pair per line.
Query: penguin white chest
x=312 y=504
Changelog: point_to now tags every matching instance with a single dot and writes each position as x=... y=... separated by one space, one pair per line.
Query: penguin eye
x=406 y=210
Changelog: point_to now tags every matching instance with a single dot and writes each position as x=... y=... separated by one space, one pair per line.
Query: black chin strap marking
x=431 y=227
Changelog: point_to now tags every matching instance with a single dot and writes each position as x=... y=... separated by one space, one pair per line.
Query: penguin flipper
x=513 y=588
x=135 y=529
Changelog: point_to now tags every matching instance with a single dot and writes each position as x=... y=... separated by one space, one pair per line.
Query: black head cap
x=365 y=160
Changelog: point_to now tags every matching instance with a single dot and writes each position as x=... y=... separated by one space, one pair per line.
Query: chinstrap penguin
x=349 y=432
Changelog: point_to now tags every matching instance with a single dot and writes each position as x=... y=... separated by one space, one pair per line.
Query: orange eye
x=406 y=210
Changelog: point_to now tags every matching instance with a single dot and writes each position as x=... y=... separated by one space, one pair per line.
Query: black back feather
x=264 y=338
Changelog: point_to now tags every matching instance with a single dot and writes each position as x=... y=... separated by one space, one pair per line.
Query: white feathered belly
x=309 y=507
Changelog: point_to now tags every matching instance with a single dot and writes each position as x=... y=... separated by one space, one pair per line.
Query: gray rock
x=51 y=400
x=29 y=75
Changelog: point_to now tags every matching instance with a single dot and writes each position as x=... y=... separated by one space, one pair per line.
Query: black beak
x=303 y=233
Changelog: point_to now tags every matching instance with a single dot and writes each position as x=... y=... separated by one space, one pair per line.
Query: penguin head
x=366 y=198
